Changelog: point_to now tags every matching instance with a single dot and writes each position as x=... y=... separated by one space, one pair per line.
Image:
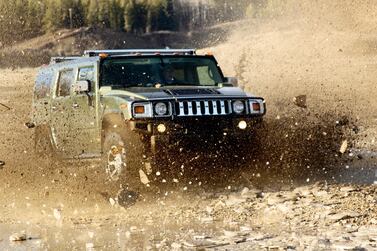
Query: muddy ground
x=300 y=193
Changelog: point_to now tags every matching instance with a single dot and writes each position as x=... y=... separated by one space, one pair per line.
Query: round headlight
x=161 y=109
x=238 y=106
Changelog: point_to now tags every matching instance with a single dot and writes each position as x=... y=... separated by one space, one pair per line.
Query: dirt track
x=291 y=198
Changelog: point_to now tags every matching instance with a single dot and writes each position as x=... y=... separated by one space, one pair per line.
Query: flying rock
x=300 y=101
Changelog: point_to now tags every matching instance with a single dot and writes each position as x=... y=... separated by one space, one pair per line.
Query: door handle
x=75 y=105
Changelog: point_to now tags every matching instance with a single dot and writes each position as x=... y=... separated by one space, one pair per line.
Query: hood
x=176 y=92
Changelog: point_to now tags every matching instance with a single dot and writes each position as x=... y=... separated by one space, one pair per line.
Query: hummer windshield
x=153 y=71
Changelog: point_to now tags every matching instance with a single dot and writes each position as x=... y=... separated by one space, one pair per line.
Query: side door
x=84 y=125
x=42 y=97
x=61 y=109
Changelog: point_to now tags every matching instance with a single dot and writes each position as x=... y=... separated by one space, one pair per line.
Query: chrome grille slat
x=214 y=105
x=205 y=107
x=190 y=112
x=181 y=109
x=222 y=104
x=198 y=108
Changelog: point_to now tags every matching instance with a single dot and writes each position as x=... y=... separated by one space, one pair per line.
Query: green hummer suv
x=129 y=107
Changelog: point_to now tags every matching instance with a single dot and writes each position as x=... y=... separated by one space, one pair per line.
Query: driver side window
x=65 y=82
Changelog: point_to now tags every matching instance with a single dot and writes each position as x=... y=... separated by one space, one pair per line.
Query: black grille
x=203 y=107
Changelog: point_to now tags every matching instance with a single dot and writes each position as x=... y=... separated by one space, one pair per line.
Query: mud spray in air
x=307 y=182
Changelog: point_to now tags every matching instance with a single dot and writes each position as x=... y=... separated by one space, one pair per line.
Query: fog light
x=161 y=128
x=242 y=125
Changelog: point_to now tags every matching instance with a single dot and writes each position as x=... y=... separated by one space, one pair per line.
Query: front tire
x=123 y=156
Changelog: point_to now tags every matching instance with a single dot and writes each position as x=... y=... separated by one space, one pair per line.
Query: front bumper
x=207 y=127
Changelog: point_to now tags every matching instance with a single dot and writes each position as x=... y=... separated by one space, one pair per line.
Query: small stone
x=273 y=248
x=245 y=229
x=343 y=216
x=143 y=177
x=200 y=237
x=343 y=147
x=291 y=196
x=29 y=125
x=2 y=163
x=348 y=189
x=112 y=202
x=320 y=193
x=373 y=238
x=345 y=246
x=245 y=191
x=18 y=237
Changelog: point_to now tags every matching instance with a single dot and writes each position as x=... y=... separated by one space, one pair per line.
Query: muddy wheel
x=122 y=156
x=42 y=142
x=114 y=157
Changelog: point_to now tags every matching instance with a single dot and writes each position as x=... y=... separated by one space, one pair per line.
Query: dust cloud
x=323 y=51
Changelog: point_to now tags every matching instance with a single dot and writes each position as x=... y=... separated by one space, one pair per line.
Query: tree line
x=23 y=19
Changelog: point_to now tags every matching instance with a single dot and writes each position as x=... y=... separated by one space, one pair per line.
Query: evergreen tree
x=34 y=17
x=21 y=19
x=135 y=16
x=171 y=18
x=104 y=13
x=92 y=16
x=78 y=14
x=116 y=15
x=53 y=15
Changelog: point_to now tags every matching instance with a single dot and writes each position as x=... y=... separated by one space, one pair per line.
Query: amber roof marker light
x=103 y=55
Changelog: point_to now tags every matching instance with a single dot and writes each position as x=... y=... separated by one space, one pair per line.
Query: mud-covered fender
x=115 y=104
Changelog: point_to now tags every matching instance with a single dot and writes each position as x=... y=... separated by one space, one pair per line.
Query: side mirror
x=232 y=80
x=81 y=86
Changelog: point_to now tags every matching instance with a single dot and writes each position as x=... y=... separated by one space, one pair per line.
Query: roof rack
x=55 y=60
x=93 y=53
